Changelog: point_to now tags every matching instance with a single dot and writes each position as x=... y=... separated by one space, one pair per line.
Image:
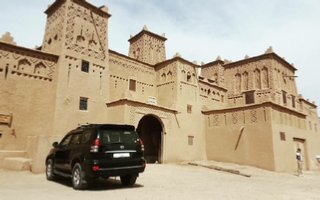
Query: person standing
x=299 y=157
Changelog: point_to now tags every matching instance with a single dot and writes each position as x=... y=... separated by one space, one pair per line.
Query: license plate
x=121 y=155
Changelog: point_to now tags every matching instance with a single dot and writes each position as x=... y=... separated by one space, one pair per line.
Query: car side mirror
x=55 y=144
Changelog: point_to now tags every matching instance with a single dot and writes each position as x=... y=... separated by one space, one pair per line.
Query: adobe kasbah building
x=247 y=112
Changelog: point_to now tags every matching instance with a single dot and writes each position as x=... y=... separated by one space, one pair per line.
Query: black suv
x=97 y=150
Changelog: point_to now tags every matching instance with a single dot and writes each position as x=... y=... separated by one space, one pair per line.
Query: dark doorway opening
x=150 y=131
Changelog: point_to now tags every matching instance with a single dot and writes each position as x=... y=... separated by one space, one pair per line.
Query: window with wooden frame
x=132 y=85
x=85 y=66
x=83 y=104
x=190 y=140
x=249 y=97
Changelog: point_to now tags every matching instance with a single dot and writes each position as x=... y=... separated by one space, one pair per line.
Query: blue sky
x=199 y=30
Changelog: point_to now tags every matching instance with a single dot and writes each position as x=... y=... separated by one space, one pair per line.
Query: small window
x=249 y=97
x=188 y=77
x=83 y=105
x=284 y=97
x=189 y=108
x=132 y=85
x=190 y=140
x=85 y=66
x=315 y=127
x=293 y=101
x=222 y=98
x=282 y=136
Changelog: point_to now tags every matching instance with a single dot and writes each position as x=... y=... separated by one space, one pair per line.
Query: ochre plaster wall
x=73 y=84
x=84 y=36
x=242 y=136
x=121 y=70
x=294 y=127
x=27 y=93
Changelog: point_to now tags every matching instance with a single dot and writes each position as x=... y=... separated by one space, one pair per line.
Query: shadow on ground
x=98 y=184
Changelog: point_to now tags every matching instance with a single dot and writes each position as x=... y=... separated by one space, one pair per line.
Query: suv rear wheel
x=129 y=179
x=78 y=180
x=49 y=170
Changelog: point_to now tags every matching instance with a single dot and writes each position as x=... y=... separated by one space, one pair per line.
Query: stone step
x=10 y=154
x=17 y=164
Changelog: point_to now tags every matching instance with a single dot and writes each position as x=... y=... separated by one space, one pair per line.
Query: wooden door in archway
x=150 y=131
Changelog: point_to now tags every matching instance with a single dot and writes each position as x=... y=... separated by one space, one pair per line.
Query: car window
x=86 y=136
x=115 y=136
x=65 y=140
x=75 y=139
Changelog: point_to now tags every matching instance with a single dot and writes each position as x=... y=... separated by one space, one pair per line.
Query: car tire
x=78 y=180
x=49 y=170
x=128 y=180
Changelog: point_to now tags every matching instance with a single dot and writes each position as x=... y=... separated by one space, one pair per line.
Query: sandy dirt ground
x=169 y=181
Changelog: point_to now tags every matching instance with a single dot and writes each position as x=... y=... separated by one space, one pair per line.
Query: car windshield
x=118 y=136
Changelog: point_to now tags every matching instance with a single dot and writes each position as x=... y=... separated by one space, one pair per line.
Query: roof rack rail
x=90 y=123
x=80 y=125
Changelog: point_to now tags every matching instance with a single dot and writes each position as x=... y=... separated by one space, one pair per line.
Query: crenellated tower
x=77 y=28
x=148 y=47
x=77 y=31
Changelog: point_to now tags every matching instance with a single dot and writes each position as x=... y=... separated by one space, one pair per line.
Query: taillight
x=142 y=145
x=95 y=147
x=144 y=164
x=95 y=168
x=96 y=142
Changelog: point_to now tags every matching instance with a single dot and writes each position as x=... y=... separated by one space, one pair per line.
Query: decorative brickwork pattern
x=253 y=114
x=86 y=33
x=215 y=120
x=234 y=118
x=166 y=73
x=215 y=73
x=148 y=49
x=127 y=64
x=29 y=64
x=135 y=108
x=54 y=28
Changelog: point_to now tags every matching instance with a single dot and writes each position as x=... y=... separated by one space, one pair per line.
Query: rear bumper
x=112 y=171
x=105 y=170
x=117 y=171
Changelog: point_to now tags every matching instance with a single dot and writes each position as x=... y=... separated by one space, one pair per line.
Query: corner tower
x=77 y=28
x=148 y=47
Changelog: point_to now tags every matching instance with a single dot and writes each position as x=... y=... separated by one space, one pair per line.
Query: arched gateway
x=150 y=130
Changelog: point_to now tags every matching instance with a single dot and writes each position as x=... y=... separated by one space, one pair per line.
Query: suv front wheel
x=49 y=170
x=78 y=180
